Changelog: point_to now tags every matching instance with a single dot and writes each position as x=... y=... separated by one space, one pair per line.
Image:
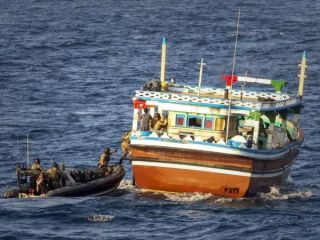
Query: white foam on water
x=275 y=194
x=127 y=185
x=88 y=112
x=100 y=218
x=3 y=183
x=222 y=200
x=187 y=197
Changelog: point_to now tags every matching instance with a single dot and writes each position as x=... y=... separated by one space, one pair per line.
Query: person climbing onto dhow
x=125 y=146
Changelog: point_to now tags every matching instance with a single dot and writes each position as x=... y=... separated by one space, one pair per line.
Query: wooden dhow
x=227 y=142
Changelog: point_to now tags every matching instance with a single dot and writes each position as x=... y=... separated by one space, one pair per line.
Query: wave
x=90 y=112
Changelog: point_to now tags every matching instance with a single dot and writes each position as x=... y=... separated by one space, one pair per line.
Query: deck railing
x=235 y=93
x=284 y=102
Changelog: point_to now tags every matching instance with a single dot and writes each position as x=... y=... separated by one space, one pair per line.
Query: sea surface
x=68 y=71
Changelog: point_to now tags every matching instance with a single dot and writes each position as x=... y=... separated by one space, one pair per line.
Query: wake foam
x=100 y=218
x=126 y=184
x=222 y=200
x=187 y=197
x=275 y=194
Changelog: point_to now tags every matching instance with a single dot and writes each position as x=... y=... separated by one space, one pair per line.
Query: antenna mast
x=232 y=74
x=18 y=152
x=200 y=76
x=244 y=84
x=28 y=150
x=235 y=49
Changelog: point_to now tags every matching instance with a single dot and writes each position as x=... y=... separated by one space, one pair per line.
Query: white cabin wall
x=135 y=120
x=256 y=129
x=198 y=109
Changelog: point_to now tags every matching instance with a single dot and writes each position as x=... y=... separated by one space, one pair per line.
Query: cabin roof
x=215 y=98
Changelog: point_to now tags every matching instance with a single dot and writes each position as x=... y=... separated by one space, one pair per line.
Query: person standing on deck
x=155 y=119
x=164 y=124
x=161 y=124
x=145 y=120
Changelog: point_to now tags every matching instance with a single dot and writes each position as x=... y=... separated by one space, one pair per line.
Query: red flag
x=230 y=80
x=139 y=104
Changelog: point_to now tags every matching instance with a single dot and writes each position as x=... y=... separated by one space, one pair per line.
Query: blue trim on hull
x=248 y=150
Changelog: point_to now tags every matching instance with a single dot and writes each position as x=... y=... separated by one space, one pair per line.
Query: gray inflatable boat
x=72 y=183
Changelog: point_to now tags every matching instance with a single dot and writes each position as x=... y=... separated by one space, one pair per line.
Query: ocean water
x=68 y=71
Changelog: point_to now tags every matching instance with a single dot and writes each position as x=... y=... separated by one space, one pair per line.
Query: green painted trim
x=255 y=115
x=278 y=84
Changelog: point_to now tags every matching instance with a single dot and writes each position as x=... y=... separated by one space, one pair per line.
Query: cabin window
x=220 y=124
x=195 y=121
x=180 y=120
x=208 y=124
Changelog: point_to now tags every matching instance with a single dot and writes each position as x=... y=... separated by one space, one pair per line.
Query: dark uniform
x=145 y=120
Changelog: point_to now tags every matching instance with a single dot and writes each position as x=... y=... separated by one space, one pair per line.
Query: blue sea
x=68 y=71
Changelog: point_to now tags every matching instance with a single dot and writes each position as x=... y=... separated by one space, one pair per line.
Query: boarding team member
x=105 y=157
x=37 y=165
x=54 y=176
x=36 y=171
x=125 y=145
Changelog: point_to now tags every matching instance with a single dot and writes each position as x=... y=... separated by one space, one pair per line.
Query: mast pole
x=200 y=76
x=18 y=161
x=302 y=75
x=163 y=60
x=28 y=151
x=235 y=49
x=232 y=75
x=244 y=84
